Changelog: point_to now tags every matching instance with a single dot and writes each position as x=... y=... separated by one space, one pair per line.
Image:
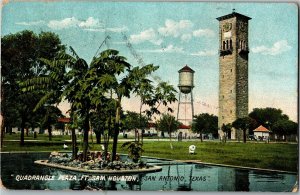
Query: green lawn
x=280 y=156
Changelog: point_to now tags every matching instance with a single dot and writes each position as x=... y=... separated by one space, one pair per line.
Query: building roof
x=261 y=129
x=182 y=126
x=233 y=14
x=151 y=125
x=64 y=120
x=186 y=69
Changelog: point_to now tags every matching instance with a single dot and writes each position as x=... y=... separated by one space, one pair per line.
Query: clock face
x=227 y=27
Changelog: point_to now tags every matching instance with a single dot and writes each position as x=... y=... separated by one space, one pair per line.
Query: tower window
x=223 y=96
x=224 y=45
x=230 y=44
x=230 y=70
x=223 y=76
x=230 y=91
x=230 y=111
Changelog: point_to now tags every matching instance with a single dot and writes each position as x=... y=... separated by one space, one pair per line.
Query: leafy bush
x=134 y=150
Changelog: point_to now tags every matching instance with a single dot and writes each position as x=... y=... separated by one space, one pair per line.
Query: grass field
x=280 y=156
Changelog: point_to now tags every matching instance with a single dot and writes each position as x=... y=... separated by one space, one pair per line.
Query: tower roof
x=233 y=14
x=186 y=69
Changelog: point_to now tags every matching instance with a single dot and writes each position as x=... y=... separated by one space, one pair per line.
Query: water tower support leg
x=192 y=103
x=178 y=104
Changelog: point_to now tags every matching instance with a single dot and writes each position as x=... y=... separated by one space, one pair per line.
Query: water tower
x=186 y=85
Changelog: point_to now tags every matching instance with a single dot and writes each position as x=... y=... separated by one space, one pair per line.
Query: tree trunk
x=201 y=136
x=98 y=137
x=26 y=132
x=74 y=144
x=106 y=138
x=244 y=135
x=170 y=138
x=106 y=141
x=50 y=132
x=116 y=132
x=142 y=135
x=2 y=131
x=22 y=132
x=285 y=138
x=86 y=126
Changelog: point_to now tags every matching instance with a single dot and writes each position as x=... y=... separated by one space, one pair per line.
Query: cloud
x=169 y=49
x=176 y=29
x=147 y=35
x=205 y=53
x=33 y=23
x=172 y=49
x=118 y=29
x=204 y=33
x=277 y=48
x=90 y=23
x=65 y=23
x=182 y=29
x=186 y=37
x=95 y=29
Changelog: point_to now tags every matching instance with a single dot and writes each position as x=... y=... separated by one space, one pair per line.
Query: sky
x=173 y=34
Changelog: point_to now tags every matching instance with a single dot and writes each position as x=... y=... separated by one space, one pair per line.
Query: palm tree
x=118 y=77
x=83 y=85
x=59 y=83
x=154 y=97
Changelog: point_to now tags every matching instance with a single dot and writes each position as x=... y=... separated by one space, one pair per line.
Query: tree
x=155 y=96
x=74 y=123
x=134 y=150
x=20 y=61
x=51 y=114
x=243 y=124
x=58 y=83
x=114 y=66
x=267 y=116
x=168 y=123
x=134 y=121
x=205 y=123
x=226 y=129
x=285 y=127
x=144 y=89
x=101 y=119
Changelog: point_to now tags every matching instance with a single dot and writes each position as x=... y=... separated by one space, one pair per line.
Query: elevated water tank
x=186 y=79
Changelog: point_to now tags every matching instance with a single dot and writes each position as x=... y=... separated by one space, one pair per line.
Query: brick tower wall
x=233 y=74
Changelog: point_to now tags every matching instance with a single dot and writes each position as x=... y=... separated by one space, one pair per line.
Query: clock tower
x=233 y=70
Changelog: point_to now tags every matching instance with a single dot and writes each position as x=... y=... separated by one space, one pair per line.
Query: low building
x=185 y=131
x=261 y=133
